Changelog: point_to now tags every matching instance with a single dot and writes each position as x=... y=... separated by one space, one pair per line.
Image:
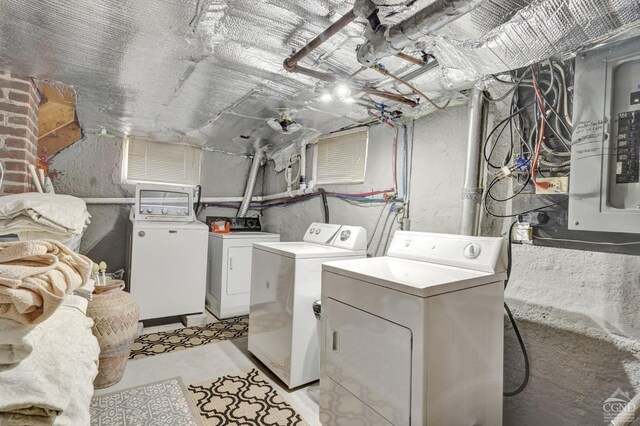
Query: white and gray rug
x=163 y=403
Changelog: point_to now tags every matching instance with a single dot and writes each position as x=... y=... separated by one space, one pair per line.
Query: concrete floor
x=208 y=362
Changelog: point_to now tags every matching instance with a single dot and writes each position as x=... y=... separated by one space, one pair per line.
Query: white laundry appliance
x=285 y=281
x=229 y=271
x=415 y=337
x=167 y=262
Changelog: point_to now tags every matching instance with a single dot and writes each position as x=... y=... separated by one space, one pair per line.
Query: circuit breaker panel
x=605 y=157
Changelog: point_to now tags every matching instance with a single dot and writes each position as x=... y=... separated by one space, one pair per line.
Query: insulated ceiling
x=209 y=72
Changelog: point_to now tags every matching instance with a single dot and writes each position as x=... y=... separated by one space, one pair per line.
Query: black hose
x=325 y=204
x=199 y=206
x=525 y=355
x=525 y=381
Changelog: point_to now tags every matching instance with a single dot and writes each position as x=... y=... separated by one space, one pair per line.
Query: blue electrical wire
x=404 y=162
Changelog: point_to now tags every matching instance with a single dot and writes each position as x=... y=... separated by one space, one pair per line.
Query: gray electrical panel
x=605 y=158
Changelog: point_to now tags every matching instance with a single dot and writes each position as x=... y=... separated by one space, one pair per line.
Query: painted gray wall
x=577 y=311
x=91 y=168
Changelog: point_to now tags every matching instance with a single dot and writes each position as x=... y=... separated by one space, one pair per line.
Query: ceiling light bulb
x=342 y=91
x=326 y=97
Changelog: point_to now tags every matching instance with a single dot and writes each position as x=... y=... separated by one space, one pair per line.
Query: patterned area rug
x=189 y=337
x=242 y=399
x=164 y=403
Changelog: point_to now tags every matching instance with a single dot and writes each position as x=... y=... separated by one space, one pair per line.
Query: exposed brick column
x=19 y=100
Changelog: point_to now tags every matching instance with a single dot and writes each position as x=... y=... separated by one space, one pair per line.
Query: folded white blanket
x=33 y=215
x=17 y=341
x=54 y=384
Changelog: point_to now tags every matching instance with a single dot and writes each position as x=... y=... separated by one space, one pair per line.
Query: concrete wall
x=435 y=191
x=92 y=168
x=577 y=311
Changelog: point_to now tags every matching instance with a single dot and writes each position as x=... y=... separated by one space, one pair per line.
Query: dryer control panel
x=343 y=236
x=484 y=254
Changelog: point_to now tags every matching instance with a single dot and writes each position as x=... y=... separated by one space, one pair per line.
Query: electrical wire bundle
x=539 y=135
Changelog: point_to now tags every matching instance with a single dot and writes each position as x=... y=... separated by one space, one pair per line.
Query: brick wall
x=19 y=100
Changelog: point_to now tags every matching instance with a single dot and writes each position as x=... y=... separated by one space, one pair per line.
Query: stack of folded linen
x=35 y=215
x=48 y=354
x=35 y=276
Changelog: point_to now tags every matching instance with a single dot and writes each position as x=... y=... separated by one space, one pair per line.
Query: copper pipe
x=390 y=96
x=409 y=58
x=386 y=73
x=331 y=79
x=291 y=62
x=313 y=73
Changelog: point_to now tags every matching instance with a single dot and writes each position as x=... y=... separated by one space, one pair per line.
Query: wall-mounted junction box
x=552 y=185
x=605 y=162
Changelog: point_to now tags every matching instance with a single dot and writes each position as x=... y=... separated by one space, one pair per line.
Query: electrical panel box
x=605 y=159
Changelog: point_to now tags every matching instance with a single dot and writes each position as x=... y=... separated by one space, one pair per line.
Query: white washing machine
x=415 y=337
x=167 y=263
x=285 y=281
x=229 y=271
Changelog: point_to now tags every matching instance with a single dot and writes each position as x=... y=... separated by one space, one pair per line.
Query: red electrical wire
x=536 y=156
x=363 y=194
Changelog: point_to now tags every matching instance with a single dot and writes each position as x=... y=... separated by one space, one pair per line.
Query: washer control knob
x=141 y=234
x=344 y=235
x=164 y=210
x=317 y=231
x=407 y=243
x=471 y=250
x=311 y=231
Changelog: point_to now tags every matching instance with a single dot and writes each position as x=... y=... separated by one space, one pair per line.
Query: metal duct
x=251 y=182
x=546 y=28
x=388 y=41
x=471 y=190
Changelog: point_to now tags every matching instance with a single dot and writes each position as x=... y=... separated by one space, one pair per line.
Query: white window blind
x=159 y=162
x=342 y=157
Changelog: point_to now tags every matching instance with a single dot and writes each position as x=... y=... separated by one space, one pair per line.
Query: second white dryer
x=229 y=271
x=285 y=281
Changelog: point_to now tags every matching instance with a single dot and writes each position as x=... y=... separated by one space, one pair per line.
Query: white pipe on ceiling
x=387 y=41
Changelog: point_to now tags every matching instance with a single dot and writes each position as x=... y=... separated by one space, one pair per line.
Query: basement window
x=147 y=161
x=341 y=157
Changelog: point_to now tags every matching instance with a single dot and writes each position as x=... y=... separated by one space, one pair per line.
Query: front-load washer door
x=370 y=357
